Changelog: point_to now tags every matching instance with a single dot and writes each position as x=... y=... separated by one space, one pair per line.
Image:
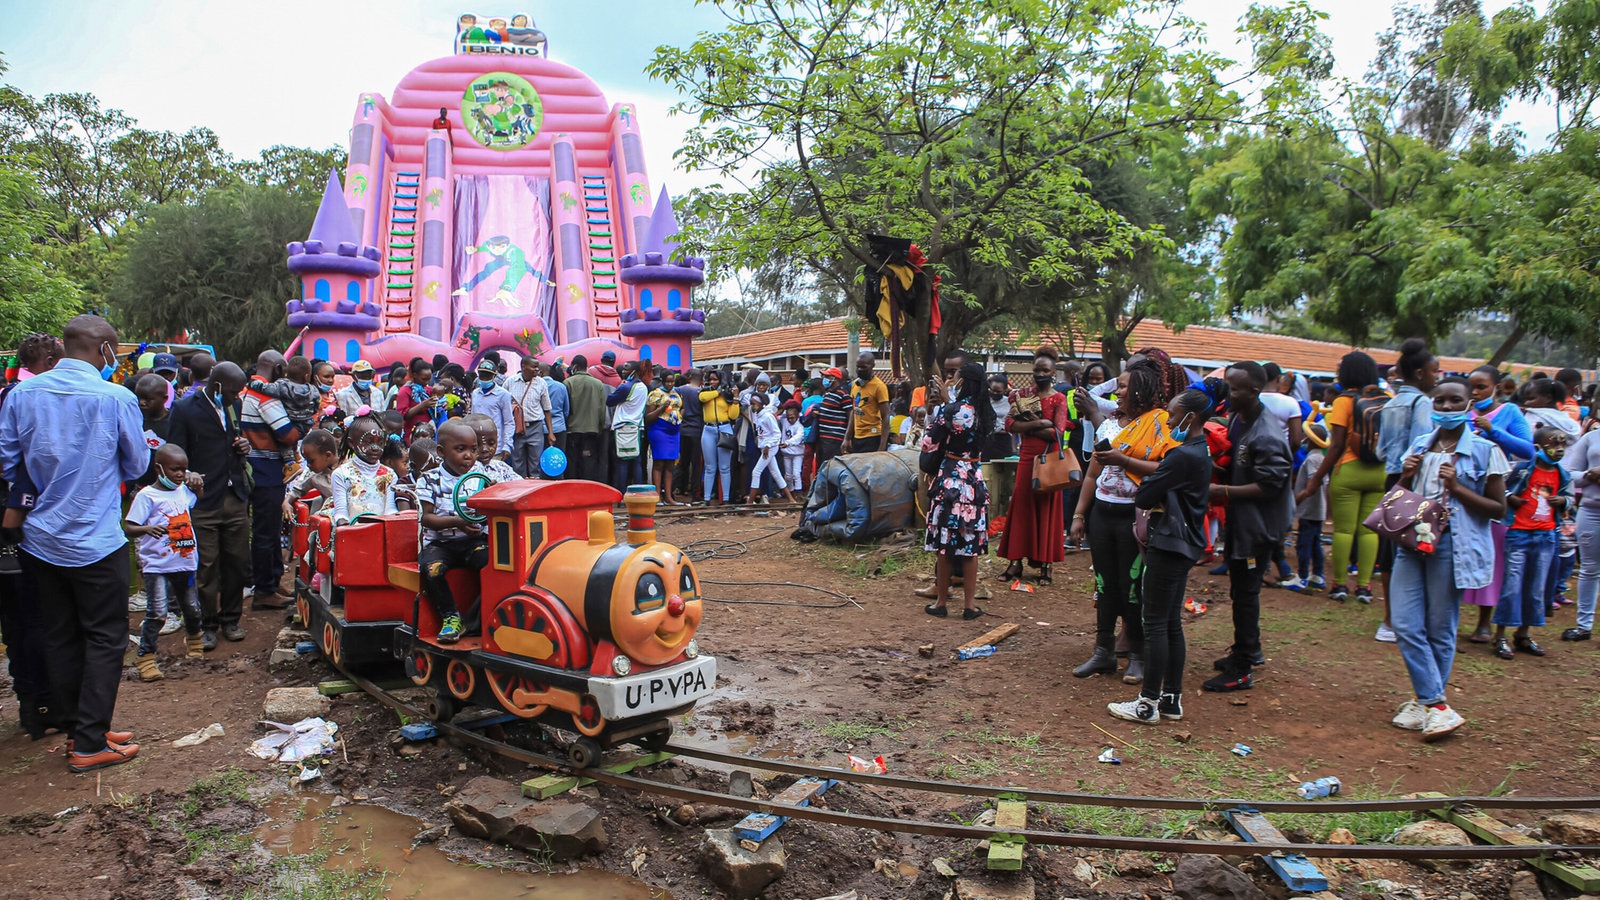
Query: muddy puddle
x=375 y=843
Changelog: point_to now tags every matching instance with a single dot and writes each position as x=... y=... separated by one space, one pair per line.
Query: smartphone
x=1105 y=444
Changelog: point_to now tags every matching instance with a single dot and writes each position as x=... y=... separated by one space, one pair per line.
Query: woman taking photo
x=1456 y=466
x=1034 y=521
x=1357 y=482
x=719 y=409
x=958 y=499
x=1504 y=425
x=1106 y=515
x=1176 y=494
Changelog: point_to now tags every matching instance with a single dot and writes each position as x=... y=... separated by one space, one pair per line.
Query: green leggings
x=1353 y=492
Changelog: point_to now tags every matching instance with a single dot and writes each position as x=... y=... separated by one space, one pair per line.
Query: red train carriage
x=575 y=628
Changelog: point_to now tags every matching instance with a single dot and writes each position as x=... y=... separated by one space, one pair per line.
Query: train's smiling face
x=655 y=605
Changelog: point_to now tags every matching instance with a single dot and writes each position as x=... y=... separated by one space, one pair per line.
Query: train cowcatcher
x=567 y=625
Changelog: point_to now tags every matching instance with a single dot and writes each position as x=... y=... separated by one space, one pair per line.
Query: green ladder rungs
x=402 y=272
x=600 y=247
x=604 y=287
x=604 y=272
x=601 y=259
x=405 y=232
x=405 y=246
x=402 y=258
x=401 y=287
x=599 y=234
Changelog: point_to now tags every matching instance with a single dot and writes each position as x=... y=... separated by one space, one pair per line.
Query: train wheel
x=583 y=753
x=461 y=679
x=302 y=608
x=587 y=719
x=420 y=666
x=439 y=706
x=330 y=644
x=656 y=741
x=504 y=686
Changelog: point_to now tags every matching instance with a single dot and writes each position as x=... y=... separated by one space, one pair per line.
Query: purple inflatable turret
x=663 y=280
x=335 y=270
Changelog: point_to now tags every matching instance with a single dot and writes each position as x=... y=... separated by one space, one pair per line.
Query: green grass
x=999 y=751
x=306 y=878
x=855 y=731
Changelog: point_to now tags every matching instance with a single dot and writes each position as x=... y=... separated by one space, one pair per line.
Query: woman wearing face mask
x=1034 y=521
x=1456 y=466
x=999 y=444
x=1176 y=494
x=1506 y=427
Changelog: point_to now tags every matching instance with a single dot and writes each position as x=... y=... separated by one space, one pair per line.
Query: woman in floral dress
x=958 y=499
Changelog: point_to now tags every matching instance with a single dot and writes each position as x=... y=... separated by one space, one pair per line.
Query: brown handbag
x=1409 y=519
x=1055 y=470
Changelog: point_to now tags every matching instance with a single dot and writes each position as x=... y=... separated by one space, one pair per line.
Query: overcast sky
x=261 y=73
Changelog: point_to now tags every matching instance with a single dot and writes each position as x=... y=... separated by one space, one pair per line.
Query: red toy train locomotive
x=578 y=630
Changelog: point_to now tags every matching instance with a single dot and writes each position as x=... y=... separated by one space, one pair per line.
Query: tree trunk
x=1508 y=345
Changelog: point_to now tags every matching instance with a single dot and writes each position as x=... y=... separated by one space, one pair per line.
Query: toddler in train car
x=449 y=540
x=363 y=485
x=320 y=453
x=499 y=470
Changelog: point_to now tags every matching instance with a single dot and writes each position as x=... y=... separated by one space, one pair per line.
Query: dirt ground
x=806 y=675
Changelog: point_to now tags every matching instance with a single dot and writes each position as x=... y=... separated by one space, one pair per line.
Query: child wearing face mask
x=1538 y=493
x=168 y=556
x=363 y=485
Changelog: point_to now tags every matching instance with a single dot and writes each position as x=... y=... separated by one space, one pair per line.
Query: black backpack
x=1364 y=422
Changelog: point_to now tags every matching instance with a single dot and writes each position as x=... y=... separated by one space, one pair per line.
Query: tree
x=214 y=267
x=964 y=127
x=296 y=169
x=34 y=296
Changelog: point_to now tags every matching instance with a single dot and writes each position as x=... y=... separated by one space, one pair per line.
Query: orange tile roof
x=1197 y=345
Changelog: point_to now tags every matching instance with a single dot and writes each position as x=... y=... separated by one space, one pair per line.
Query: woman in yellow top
x=1138 y=448
x=720 y=410
x=1357 y=483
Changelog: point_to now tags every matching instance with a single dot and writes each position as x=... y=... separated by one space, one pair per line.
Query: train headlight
x=693 y=650
x=621 y=665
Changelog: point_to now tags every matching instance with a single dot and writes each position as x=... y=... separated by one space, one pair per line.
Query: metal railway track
x=1051 y=838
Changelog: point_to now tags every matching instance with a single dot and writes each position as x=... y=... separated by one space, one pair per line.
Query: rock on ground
x=495 y=810
x=995 y=888
x=1525 y=886
x=1429 y=833
x=1209 y=878
x=1573 y=828
x=291 y=704
x=741 y=873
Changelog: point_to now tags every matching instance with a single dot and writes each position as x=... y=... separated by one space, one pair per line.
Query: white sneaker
x=173 y=623
x=1412 y=717
x=138 y=602
x=1441 y=722
x=1139 y=709
x=1385 y=634
x=1292 y=583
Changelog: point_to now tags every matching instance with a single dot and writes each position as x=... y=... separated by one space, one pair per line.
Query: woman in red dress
x=1034 y=525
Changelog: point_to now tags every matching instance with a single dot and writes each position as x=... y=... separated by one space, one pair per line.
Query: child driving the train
x=449 y=540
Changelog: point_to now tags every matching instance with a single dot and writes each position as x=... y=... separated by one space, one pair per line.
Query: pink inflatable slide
x=495 y=202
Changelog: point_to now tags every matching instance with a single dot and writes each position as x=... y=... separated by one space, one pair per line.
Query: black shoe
x=1502 y=649
x=1224 y=663
x=1230 y=680
x=936 y=610
x=1339 y=594
x=233 y=632
x=1101 y=662
x=970 y=614
x=1364 y=594
x=1172 y=706
x=208 y=641
x=1575 y=634
x=1134 y=674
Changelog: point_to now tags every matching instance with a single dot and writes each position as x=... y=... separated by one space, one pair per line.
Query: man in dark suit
x=206 y=426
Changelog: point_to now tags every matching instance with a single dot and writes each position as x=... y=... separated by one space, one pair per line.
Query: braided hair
x=1174 y=380
x=1146 y=387
x=975 y=389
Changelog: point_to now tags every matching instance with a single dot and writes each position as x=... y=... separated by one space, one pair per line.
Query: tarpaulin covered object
x=862 y=496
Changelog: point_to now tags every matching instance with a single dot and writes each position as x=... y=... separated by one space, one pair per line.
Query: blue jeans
x=1425 y=612
x=1522 y=594
x=1588 y=565
x=526 y=449
x=719 y=462
x=163 y=592
x=1308 y=547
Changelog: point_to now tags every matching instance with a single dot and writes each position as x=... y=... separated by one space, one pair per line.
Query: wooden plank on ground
x=758 y=826
x=1005 y=853
x=1297 y=872
x=1487 y=828
x=340 y=686
x=546 y=786
x=993 y=637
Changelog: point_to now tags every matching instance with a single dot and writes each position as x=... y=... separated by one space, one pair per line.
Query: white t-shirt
x=176 y=550
x=1113 y=485
x=1283 y=408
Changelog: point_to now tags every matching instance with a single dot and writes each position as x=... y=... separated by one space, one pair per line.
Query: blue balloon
x=553 y=462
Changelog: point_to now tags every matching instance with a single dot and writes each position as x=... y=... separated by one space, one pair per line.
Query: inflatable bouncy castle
x=495 y=201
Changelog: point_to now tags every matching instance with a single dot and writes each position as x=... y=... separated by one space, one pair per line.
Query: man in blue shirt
x=75 y=437
x=560 y=406
x=494 y=401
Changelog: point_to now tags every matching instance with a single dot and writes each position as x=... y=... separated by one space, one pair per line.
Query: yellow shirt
x=1145 y=438
x=716 y=410
x=867 y=397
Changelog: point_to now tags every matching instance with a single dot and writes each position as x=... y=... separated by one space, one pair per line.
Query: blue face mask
x=324 y=389
x=167 y=484
x=1179 y=434
x=1549 y=460
x=486 y=386
x=216 y=398
x=363 y=384
x=109 y=369
x=1447 y=421
x=1484 y=404
x=827 y=382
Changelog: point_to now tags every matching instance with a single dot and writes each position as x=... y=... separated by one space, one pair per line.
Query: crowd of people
x=201 y=462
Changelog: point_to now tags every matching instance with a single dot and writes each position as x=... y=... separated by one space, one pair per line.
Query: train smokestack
x=641 y=500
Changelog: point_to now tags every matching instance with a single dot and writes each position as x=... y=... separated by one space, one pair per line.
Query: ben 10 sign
x=516 y=36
